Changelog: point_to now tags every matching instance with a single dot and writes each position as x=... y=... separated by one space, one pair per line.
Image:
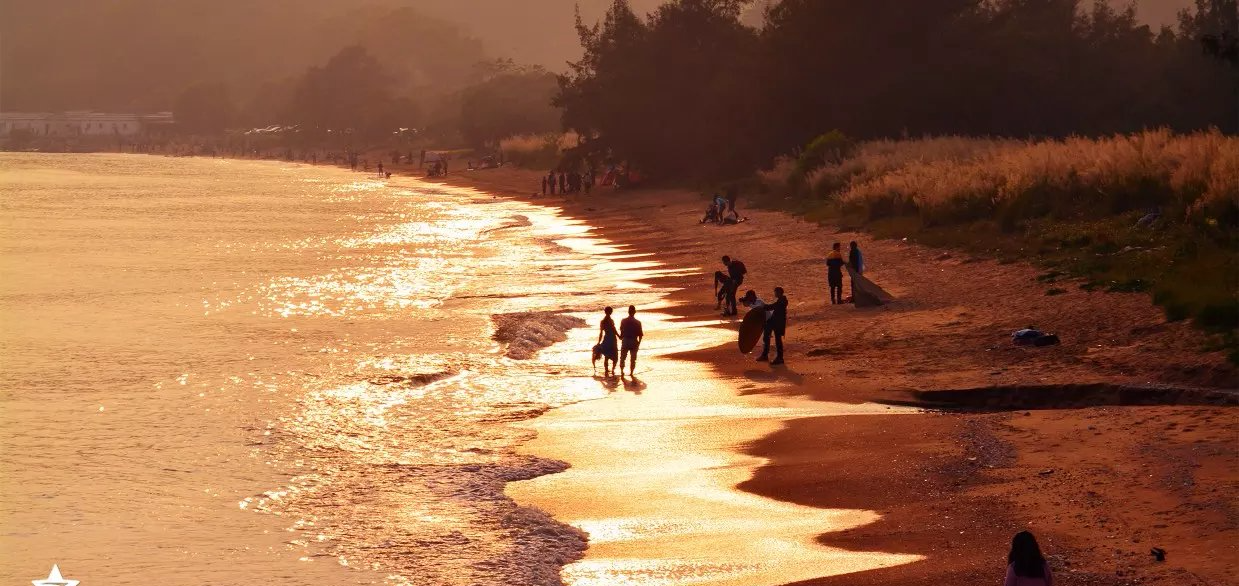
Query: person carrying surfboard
x=631 y=335
x=776 y=325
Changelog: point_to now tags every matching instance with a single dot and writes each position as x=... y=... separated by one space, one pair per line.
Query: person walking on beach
x=1025 y=564
x=731 y=281
x=631 y=335
x=834 y=274
x=856 y=262
x=776 y=325
x=607 y=346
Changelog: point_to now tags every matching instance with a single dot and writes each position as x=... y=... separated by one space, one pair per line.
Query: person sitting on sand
x=607 y=346
x=834 y=273
x=1025 y=564
x=776 y=325
x=631 y=335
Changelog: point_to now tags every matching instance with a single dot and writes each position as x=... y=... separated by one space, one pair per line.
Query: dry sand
x=1100 y=484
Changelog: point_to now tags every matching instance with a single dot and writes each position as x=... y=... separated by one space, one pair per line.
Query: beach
x=357 y=380
x=1063 y=446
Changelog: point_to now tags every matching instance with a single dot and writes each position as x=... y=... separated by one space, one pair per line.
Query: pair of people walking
x=615 y=346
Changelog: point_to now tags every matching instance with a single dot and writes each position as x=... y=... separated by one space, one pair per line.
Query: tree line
x=693 y=90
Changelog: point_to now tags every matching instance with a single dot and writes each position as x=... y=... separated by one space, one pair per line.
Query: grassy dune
x=1074 y=206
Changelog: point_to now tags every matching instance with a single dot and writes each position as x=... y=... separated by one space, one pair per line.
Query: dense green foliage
x=691 y=91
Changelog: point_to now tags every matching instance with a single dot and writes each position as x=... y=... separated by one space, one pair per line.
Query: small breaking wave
x=525 y=333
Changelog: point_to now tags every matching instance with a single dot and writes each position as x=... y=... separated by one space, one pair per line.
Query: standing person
x=380 y=167
x=856 y=262
x=550 y=180
x=563 y=183
x=834 y=274
x=589 y=180
x=731 y=201
x=731 y=283
x=631 y=335
x=607 y=345
x=776 y=325
x=544 y=186
x=1025 y=564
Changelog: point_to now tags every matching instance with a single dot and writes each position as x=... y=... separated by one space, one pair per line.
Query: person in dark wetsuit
x=776 y=325
x=731 y=282
x=631 y=335
x=834 y=274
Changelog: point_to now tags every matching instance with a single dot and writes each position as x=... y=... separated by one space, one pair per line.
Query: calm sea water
x=226 y=372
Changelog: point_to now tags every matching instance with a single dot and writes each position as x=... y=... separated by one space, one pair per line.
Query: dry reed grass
x=959 y=179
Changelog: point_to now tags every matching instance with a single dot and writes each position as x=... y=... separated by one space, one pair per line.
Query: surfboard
x=866 y=293
x=751 y=329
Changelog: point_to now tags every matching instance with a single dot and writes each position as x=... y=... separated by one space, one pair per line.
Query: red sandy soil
x=1100 y=486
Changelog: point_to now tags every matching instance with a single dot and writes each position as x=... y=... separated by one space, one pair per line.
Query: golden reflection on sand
x=653 y=478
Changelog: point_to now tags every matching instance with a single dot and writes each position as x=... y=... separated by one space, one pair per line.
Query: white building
x=81 y=123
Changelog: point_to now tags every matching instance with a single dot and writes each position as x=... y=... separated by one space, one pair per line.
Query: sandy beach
x=1115 y=442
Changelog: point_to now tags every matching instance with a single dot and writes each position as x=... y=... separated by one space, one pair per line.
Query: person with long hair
x=608 y=344
x=1025 y=564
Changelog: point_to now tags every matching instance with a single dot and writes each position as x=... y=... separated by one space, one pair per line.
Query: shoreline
x=1099 y=485
x=1067 y=473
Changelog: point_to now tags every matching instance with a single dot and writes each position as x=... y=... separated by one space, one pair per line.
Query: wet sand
x=1100 y=484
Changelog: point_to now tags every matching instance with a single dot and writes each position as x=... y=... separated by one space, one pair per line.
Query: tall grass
x=954 y=179
x=537 y=151
x=1072 y=203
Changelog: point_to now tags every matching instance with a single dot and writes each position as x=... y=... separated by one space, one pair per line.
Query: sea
x=239 y=372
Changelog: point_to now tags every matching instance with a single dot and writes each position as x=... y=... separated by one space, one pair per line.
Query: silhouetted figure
x=834 y=273
x=731 y=281
x=856 y=262
x=776 y=325
x=1025 y=564
x=563 y=183
x=631 y=335
x=544 y=186
x=550 y=181
x=607 y=346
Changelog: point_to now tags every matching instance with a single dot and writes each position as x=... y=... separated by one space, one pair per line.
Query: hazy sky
x=540 y=31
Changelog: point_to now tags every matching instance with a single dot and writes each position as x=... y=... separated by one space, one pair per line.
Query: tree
x=511 y=100
x=351 y=94
x=204 y=108
x=657 y=92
